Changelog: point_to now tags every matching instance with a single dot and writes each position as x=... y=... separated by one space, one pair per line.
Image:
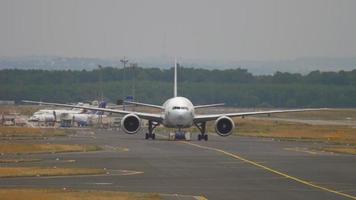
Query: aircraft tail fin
x=102 y=104
x=175 y=78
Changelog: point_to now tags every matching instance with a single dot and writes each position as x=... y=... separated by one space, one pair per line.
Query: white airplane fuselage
x=51 y=115
x=178 y=112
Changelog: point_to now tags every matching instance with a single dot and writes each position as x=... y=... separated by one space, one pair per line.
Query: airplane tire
x=146 y=137
x=199 y=137
x=153 y=136
x=206 y=137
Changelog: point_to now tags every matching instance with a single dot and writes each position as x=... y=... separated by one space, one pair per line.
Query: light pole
x=101 y=82
x=133 y=67
x=100 y=119
x=124 y=61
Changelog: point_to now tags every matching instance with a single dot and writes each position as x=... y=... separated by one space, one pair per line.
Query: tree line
x=236 y=87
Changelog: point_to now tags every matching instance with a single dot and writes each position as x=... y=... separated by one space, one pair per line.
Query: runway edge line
x=272 y=170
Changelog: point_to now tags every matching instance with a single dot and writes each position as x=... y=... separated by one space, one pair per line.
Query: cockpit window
x=179 y=108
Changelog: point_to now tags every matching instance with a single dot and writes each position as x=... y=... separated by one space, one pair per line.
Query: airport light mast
x=133 y=67
x=101 y=82
x=100 y=117
x=123 y=61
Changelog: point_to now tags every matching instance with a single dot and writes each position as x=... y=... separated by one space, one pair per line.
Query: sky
x=195 y=29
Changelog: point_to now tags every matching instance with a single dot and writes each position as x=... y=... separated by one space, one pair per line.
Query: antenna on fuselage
x=175 y=77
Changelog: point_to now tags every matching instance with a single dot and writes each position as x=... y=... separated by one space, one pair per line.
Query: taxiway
x=223 y=168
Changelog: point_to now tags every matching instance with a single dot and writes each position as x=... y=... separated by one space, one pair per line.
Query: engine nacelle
x=224 y=126
x=130 y=123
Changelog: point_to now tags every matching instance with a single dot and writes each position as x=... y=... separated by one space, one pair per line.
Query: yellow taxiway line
x=273 y=170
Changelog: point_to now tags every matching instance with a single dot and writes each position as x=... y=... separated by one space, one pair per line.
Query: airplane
x=53 y=115
x=47 y=115
x=82 y=119
x=177 y=112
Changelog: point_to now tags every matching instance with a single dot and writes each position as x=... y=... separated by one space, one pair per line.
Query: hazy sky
x=220 y=29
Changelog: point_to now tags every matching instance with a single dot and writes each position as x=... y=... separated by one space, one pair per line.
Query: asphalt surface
x=222 y=168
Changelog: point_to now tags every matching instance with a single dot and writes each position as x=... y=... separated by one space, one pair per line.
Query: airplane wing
x=143 y=104
x=203 y=118
x=209 y=105
x=148 y=116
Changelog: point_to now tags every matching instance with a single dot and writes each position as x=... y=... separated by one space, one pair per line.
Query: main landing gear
x=202 y=127
x=151 y=126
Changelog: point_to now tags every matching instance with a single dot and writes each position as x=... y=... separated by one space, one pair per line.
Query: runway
x=223 y=168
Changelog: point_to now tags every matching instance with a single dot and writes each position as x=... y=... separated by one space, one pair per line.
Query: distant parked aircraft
x=53 y=115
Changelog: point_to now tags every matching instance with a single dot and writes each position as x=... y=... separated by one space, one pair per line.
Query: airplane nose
x=180 y=116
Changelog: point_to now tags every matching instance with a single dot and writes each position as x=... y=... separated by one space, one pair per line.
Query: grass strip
x=45 y=148
x=6 y=172
x=18 y=160
x=294 y=130
x=53 y=194
x=6 y=131
x=344 y=150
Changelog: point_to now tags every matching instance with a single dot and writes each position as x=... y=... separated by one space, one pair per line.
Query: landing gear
x=202 y=127
x=203 y=137
x=206 y=137
x=152 y=135
x=151 y=126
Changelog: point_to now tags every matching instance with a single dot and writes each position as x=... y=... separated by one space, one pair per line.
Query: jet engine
x=130 y=123
x=224 y=126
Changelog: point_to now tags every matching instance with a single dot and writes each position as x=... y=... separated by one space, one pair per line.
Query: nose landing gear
x=202 y=127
